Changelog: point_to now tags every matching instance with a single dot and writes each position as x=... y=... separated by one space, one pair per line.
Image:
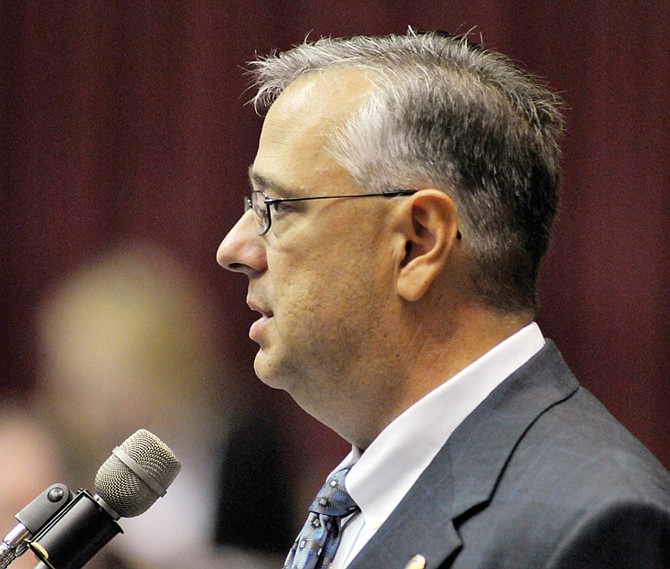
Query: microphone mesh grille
x=125 y=492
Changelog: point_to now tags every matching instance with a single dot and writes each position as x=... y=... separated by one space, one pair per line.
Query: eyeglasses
x=261 y=204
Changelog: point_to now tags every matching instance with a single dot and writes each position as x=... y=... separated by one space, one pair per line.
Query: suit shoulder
x=579 y=442
x=622 y=534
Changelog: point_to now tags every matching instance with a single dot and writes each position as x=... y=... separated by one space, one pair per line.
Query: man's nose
x=241 y=250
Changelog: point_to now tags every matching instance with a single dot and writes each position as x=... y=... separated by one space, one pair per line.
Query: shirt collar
x=384 y=473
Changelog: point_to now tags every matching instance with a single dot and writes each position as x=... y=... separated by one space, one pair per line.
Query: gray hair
x=448 y=114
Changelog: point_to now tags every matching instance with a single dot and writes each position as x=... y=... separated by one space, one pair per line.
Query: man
x=404 y=319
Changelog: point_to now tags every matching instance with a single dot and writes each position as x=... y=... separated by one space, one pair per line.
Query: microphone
x=66 y=531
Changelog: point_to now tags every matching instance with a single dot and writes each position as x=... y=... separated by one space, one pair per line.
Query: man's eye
x=279 y=207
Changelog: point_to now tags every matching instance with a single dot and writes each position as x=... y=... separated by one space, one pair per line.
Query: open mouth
x=257 y=328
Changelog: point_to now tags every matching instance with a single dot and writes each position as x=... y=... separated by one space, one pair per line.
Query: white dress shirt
x=384 y=473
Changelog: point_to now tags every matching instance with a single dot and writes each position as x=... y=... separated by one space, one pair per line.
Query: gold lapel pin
x=417 y=562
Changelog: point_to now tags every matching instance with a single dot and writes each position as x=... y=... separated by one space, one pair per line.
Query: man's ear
x=428 y=222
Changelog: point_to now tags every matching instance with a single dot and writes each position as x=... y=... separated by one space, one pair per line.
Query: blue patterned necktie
x=317 y=543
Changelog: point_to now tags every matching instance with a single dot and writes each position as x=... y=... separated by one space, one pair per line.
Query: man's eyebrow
x=262 y=182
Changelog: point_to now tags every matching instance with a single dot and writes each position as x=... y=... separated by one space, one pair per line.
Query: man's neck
x=436 y=359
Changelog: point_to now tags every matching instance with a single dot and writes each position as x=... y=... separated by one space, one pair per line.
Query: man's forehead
x=292 y=153
x=305 y=115
x=334 y=92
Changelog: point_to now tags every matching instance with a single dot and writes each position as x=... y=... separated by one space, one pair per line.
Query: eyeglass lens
x=257 y=203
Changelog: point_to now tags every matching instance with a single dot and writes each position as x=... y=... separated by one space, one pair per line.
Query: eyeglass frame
x=268 y=202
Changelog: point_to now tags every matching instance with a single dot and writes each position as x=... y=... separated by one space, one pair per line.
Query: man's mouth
x=257 y=328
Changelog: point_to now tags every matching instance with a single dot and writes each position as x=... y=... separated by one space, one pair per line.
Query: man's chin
x=266 y=372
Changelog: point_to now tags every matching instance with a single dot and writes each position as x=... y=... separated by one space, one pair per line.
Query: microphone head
x=122 y=489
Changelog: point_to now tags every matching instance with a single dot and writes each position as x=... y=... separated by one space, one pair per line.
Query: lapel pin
x=417 y=562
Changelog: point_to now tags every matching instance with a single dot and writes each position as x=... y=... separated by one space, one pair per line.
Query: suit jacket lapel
x=464 y=473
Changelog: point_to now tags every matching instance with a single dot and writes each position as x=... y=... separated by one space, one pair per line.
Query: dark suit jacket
x=539 y=475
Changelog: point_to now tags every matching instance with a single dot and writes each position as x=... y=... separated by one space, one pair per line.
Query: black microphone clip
x=76 y=533
x=32 y=519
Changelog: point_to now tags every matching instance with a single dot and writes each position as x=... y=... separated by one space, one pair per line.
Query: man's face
x=320 y=277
